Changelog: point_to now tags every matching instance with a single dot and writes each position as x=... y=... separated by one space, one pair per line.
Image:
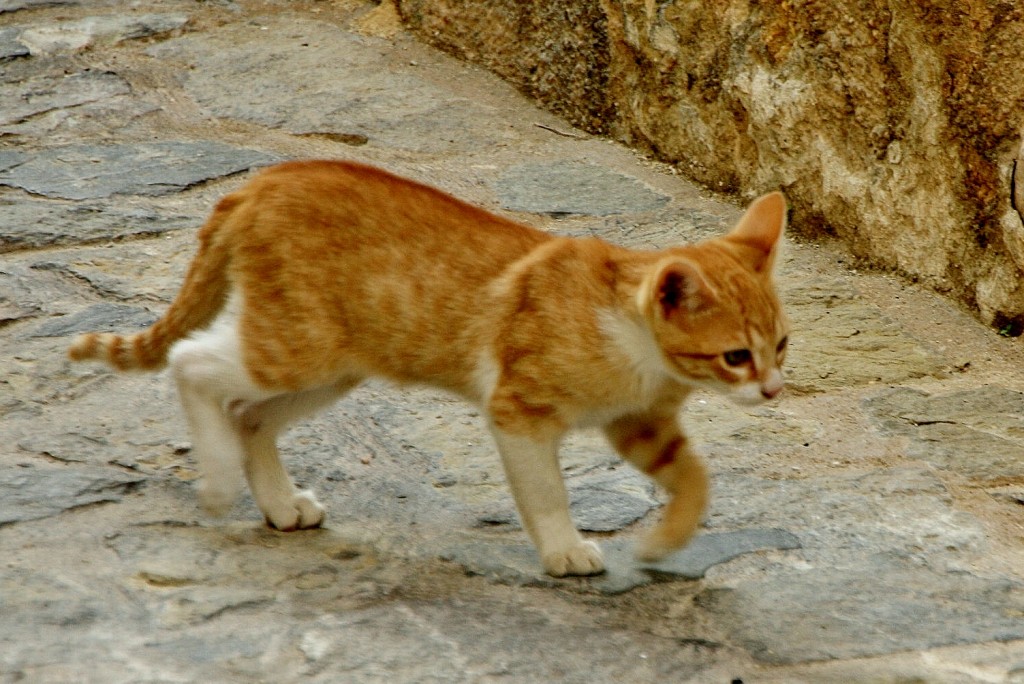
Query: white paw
x=217 y=497
x=582 y=559
x=300 y=511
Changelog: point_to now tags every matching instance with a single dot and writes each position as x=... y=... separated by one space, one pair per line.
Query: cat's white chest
x=640 y=372
x=632 y=343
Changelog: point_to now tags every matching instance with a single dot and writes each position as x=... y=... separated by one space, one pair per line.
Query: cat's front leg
x=656 y=445
x=531 y=466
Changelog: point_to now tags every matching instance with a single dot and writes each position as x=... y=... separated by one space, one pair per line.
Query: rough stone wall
x=556 y=52
x=893 y=124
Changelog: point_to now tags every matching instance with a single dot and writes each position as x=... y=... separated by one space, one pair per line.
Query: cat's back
x=349 y=204
x=343 y=263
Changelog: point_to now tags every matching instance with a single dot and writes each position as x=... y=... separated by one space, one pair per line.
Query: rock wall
x=893 y=124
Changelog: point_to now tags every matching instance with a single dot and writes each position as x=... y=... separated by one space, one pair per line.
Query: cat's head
x=714 y=312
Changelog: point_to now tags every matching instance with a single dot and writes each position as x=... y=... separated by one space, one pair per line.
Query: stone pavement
x=867 y=527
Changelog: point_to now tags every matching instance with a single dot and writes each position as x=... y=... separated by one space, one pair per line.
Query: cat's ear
x=760 y=231
x=679 y=287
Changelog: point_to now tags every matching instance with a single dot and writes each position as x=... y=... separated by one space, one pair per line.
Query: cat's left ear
x=760 y=231
x=679 y=287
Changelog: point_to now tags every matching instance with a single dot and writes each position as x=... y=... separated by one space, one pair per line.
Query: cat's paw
x=301 y=511
x=216 y=498
x=582 y=559
x=654 y=548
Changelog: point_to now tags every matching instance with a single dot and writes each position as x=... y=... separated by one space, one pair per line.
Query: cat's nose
x=773 y=384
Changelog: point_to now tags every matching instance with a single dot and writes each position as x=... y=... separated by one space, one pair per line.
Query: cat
x=319 y=274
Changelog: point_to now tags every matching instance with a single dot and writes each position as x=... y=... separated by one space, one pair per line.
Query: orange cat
x=317 y=275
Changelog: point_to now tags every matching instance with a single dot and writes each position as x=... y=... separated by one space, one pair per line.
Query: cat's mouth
x=755 y=393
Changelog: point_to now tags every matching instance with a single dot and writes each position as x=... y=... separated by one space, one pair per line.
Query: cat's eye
x=737 y=357
x=781 y=347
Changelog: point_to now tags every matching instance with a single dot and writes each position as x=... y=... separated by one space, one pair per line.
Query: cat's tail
x=201 y=297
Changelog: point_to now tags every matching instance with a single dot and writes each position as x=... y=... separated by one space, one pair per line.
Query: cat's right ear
x=680 y=288
x=760 y=230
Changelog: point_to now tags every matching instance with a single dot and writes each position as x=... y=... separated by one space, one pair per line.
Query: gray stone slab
x=10 y=46
x=907 y=511
x=453 y=641
x=672 y=226
x=37 y=290
x=15 y=5
x=978 y=432
x=149 y=271
x=14 y=311
x=9 y=159
x=51 y=101
x=21 y=100
x=33 y=492
x=600 y=500
x=95 y=171
x=74 y=446
x=838 y=340
x=27 y=223
x=882 y=605
x=1013 y=494
x=141 y=428
x=254 y=80
x=73 y=36
x=610 y=500
x=102 y=317
x=16 y=300
x=561 y=188
x=518 y=564
x=24 y=295
x=191 y=604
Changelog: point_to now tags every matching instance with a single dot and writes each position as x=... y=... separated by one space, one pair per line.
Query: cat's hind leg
x=284 y=506
x=210 y=377
x=656 y=445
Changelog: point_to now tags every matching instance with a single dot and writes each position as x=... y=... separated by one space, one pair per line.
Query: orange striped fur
x=319 y=274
